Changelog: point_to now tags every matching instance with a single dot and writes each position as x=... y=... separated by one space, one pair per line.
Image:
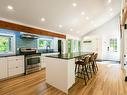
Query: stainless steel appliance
x=32 y=59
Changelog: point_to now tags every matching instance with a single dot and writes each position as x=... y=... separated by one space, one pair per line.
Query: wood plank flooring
x=108 y=81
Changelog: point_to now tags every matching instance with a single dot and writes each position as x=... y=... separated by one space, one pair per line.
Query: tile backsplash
x=28 y=43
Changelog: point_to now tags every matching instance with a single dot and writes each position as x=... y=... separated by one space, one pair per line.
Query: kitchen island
x=60 y=70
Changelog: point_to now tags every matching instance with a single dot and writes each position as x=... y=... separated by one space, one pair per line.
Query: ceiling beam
x=22 y=28
x=124 y=16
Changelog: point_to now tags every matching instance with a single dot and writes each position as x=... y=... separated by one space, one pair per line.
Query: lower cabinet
x=15 y=65
x=11 y=66
x=43 y=64
x=3 y=68
x=15 y=71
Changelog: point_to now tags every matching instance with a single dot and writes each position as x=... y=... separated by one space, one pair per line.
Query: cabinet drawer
x=15 y=71
x=15 y=63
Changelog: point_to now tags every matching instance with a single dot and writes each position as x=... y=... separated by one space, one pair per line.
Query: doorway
x=111 y=49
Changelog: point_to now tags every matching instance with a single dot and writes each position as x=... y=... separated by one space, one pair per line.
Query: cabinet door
x=15 y=65
x=3 y=68
x=16 y=61
x=15 y=71
x=42 y=62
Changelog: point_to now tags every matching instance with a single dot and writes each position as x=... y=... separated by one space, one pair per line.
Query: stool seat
x=79 y=62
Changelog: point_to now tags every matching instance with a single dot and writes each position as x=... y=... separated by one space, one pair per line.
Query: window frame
x=43 y=39
x=13 y=43
x=112 y=43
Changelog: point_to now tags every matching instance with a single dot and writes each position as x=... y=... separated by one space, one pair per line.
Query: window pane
x=5 y=44
x=113 y=44
x=45 y=44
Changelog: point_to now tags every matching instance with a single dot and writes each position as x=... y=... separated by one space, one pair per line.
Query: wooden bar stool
x=81 y=69
x=95 y=64
x=92 y=59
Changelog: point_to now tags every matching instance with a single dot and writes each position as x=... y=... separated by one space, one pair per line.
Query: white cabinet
x=15 y=65
x=3 y=68
x=11 y=66
x=43 y=64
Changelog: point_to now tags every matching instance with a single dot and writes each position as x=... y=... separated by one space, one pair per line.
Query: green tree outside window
x=4 y=44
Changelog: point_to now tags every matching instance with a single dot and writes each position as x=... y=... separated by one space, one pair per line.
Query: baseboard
x=126 y=78
x=101 y=60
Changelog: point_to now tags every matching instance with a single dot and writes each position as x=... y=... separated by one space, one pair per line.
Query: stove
x=32 y=59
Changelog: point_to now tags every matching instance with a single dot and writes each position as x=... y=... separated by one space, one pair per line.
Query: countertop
x=68 y=56
x=9 y=55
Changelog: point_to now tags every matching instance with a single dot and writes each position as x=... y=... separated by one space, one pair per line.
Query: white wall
x=101 y=35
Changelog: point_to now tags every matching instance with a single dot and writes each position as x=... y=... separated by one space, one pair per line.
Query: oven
x=32 y=60
x=33 y=63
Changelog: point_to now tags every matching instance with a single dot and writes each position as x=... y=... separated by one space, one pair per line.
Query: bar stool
x=81 y=69
x=89 y=68
x=92 y=59
x=95 y=64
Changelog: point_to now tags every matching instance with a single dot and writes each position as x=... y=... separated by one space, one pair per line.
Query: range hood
x=28 y=35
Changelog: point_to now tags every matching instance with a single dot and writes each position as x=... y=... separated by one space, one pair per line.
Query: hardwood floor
x=108 y=81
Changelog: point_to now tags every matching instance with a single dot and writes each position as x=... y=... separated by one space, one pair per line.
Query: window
x=44 y=44
x=113 y=45
x=7 y=44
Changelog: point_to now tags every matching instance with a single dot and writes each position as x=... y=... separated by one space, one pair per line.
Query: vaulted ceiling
x=75 y=17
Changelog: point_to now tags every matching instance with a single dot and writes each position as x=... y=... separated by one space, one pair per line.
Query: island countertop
x=68 y=56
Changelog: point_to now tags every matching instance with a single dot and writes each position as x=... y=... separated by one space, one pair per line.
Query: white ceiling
x=61 y=12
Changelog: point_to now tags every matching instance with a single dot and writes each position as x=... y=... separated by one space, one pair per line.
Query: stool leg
x=75 y=68
x=93 y=67
x=78 y=69
x=86 y=70
x=90 y=69
x=96 y=65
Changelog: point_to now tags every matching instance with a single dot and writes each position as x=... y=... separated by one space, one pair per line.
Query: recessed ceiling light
x=42 y=19
x=87 y=18
x=110 y=9
x=10 y=7
x=95 y=25
x=71 y=29
x=109 y=1
x=74 y=4
x=82 y=13
x=60 y=26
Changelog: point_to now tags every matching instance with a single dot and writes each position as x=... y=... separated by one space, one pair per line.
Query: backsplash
x=24 y=43
x=29 y=43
